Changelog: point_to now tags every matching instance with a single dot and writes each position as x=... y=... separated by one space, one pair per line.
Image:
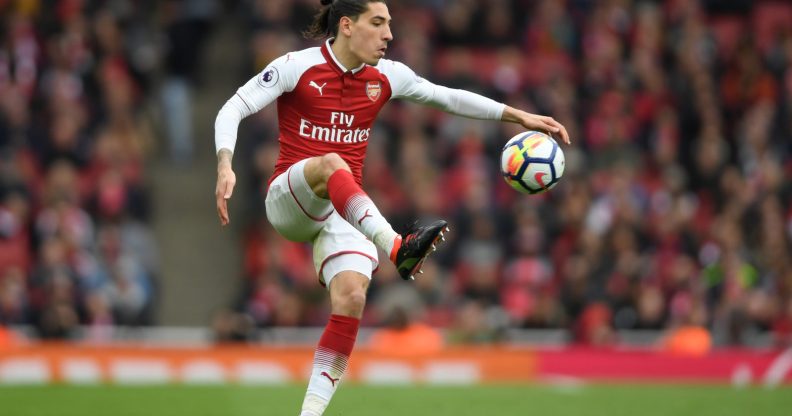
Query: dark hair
x=325 y=23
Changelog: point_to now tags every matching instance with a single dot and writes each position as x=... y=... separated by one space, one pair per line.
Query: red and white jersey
x=326 y=108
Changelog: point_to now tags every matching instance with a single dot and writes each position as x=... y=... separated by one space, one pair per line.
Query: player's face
x=371 y=33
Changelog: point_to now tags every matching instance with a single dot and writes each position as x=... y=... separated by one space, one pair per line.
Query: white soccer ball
x=532 y=162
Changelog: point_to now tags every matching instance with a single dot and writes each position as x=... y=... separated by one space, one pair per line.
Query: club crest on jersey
x=269 y=77
x=373 y=90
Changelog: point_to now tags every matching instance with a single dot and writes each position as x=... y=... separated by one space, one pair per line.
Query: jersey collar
x=327 y=51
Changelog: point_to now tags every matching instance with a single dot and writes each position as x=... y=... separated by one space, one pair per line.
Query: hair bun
x=326 y=2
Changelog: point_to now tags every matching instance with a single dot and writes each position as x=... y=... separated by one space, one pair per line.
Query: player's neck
x=344 y=54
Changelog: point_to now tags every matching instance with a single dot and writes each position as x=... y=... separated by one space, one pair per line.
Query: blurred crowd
x=675 y=210
x=76 y=248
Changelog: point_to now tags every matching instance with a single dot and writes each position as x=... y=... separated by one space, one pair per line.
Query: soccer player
x=328 y=98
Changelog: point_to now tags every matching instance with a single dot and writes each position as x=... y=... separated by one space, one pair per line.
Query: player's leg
x=292 y=207
x=330 y=177
x=347 y=299
x=344 y=260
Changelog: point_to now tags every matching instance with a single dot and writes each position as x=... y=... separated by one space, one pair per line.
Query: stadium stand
x=675 y=210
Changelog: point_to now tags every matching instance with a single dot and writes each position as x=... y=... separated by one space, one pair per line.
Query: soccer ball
x=532 y=162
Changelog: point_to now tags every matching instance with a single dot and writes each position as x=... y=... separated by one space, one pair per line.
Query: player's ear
x=345 y=26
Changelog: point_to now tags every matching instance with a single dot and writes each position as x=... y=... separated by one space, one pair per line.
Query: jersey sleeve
x=406 y=84
x=279 y=77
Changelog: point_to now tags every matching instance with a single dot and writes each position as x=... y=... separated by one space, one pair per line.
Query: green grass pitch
x=356 y=400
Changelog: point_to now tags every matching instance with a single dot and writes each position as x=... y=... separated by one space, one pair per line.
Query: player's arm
x=256 y=94
x=464 y=103
x=226 y=180
x=536 y=122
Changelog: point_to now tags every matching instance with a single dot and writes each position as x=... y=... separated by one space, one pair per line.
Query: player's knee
x=357 y=299
x=354 y=301
x=331 y=162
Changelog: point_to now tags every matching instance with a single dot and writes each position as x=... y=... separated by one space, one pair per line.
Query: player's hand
x=537 y=122
x=226 y=179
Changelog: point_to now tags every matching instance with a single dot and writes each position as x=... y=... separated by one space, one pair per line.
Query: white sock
x=313 y=405
x=361 y=212
x=328 y=368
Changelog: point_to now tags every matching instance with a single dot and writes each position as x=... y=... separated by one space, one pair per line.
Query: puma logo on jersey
x=366 y=215
x=324 y=373
x=318 y=88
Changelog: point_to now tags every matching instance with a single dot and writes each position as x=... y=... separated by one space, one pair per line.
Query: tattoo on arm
x=224 y=156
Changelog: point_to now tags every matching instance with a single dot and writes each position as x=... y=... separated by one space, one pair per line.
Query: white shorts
x=299 y=215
